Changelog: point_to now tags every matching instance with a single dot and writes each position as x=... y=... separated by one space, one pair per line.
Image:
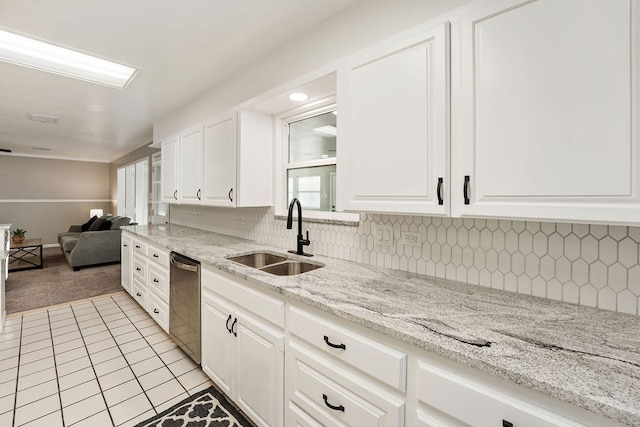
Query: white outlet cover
x=410 y=238
x=384 y=235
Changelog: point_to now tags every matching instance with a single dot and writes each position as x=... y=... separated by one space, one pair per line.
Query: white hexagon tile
x=593 y=265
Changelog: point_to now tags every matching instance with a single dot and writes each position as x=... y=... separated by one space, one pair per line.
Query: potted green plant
x=17 y=235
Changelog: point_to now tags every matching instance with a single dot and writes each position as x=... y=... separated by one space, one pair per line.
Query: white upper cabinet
x=393 y=125
x=238 y=160
x=546 y=108
x=169 y=169
x=190 y=166
x=227 y=161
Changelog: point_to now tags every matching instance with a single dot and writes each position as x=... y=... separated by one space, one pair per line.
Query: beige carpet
x=57 y=283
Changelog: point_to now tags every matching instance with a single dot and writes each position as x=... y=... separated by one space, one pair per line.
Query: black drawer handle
x=155 y=310
x=138 y=294
x=138 y=269
x=329 y=405
x=125 y=245
x=227 y=324
x=506 y=423
x=156 y=281
x=155 y=255
x=332 y=345
x=137 y=246
x=233 y=327
x=465 y=189
x=439 y=192
x=175 y=194
x=198 y=194
x=230 y=197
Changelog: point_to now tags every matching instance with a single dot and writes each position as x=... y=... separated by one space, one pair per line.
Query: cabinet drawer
x=378 y=360
x=159 y=310
x=477 y=405
x=321 y=387
x=158 y=280
x=140 y=268
x=139 y=247
x=139 y=292
x=158 y=256
x=253 y=301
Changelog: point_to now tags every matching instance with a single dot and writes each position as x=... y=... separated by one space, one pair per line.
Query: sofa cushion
x=96 y=224
x=69 y=242
x=87 y=224
x=117 y=222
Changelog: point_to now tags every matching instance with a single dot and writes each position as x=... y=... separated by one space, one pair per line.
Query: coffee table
x=25 y=255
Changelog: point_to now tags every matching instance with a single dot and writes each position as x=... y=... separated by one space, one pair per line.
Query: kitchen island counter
x=581 y=355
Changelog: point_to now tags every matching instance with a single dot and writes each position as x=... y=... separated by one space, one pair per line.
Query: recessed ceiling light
x=298 y=96
x=31 y=53
x=42 y=119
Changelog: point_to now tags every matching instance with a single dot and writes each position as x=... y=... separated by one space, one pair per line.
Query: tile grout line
x=92 y=366
x=55 y=367
x=125 y=359
x=15 y=396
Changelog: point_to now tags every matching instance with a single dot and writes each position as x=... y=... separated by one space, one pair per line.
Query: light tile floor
x=104 y=362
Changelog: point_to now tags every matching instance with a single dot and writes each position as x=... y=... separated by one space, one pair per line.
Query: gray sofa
x=85 y=248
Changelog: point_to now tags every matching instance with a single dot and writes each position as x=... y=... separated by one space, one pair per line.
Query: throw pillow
x=106 y=225
x=96 y=224
x=87 y=224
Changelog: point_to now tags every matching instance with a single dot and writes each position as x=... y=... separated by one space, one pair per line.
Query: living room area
x=52 y=203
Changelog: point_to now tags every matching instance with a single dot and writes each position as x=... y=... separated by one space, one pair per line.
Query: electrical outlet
x=410 y=238
x=384 y=235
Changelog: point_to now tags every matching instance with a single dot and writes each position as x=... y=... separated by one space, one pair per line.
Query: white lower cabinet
x=336 y=376
x=146 y=268
x=243 y=345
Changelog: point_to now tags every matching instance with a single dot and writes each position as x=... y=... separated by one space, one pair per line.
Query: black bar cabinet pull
x=175 y=194
x=138 y=269
x=227 y=324
x=155 y=310
x=335 y=408
x=330 y=344
x=155 y=255
x=138 y=294
x=231 y=197
x=137 y=246
x=198 y=194
x=465 y=189
x=155 y=280
x=506 y=423
x=439 y=191
x=233 y=327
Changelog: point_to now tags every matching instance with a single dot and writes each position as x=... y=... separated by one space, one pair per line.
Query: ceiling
x=181 y=48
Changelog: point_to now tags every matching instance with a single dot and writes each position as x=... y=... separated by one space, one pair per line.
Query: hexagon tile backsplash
x=592 y=265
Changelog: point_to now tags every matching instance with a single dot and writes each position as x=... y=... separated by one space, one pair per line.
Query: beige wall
x=45 y=196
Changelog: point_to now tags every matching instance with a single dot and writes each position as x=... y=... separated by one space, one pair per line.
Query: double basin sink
x=274 y=264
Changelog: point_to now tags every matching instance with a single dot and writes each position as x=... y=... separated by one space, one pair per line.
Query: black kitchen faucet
x=300 y=241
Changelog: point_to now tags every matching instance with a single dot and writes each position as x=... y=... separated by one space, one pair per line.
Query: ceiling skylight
x=32 y=53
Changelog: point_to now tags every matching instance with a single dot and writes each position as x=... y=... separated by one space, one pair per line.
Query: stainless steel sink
x=290 y=268
x=275 y=264
x=258 y=259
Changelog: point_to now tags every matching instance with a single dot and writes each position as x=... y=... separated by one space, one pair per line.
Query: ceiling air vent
x=43 y=119
x=41 y=148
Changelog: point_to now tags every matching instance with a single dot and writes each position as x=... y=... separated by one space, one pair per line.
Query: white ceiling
x=181 y=48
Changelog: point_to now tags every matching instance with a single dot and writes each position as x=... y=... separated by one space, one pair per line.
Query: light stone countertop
x=580 y=355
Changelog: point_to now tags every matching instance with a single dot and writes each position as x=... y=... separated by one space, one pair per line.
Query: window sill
x=335 y=218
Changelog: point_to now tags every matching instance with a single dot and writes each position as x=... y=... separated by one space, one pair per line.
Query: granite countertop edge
x=212 y=249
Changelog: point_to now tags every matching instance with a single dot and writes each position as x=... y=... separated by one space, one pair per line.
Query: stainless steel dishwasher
x=184 y=304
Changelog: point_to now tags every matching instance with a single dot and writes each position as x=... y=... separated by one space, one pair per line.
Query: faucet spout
x=300 y=240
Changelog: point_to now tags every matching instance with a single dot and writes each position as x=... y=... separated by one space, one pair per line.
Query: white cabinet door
x=260 y=357
x=190 y=166
x=169 y=169
x=393 y=125
x=126 y=259
x=217 y=341
x=548 y=113
x=219 y=155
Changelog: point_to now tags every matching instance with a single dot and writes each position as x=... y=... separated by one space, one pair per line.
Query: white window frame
x=282 y=160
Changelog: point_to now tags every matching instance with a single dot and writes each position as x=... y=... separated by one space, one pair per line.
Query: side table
x=25 y=255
